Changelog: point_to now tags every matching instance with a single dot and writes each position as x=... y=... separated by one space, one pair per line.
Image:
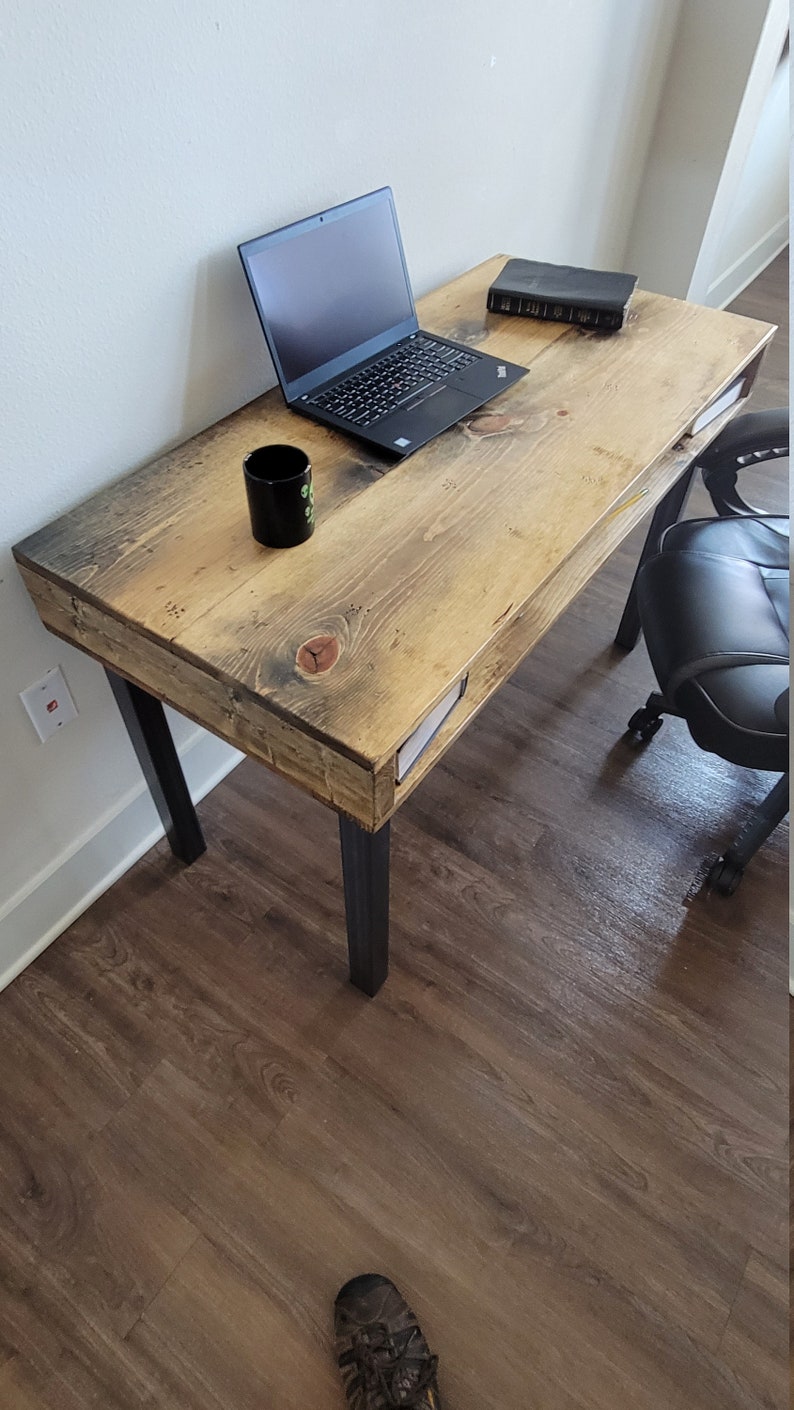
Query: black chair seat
x=763 y=539
x=714 y=608
x=713 y=602
x=729 y=713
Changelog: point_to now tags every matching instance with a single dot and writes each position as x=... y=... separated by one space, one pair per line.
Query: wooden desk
x=321 y=660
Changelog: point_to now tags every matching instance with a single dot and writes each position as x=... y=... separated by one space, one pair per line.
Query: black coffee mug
x=278 y=482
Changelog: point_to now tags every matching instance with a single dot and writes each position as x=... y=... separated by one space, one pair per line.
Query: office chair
x=713 y=604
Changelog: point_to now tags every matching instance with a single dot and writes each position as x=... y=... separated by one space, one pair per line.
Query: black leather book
x=595 y=298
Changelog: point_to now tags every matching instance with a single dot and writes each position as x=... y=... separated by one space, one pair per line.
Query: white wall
x=722 y=63
x=757 y=226
x=141 y=144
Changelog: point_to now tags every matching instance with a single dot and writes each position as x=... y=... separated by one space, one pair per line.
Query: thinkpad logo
x=501 y=370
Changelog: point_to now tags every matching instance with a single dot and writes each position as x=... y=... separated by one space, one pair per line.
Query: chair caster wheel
x=724 y=876
x=645 y=724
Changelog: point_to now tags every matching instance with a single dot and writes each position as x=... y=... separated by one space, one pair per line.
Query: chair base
x=725 y=874
x=647 y=721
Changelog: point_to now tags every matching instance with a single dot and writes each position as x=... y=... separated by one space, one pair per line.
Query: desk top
x=322 y=659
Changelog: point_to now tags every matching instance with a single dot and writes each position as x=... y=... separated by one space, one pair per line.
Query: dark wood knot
x=318 y=654
x=491 y=423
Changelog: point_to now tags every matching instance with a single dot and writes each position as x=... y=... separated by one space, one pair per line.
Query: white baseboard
x=58 y=896
x=743 y=271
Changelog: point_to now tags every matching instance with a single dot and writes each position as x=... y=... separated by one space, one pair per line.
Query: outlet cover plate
x=49 y=703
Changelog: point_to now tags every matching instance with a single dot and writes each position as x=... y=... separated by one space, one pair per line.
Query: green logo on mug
x=307 y=492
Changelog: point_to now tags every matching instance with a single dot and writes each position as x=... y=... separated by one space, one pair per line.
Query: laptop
x=335 y=303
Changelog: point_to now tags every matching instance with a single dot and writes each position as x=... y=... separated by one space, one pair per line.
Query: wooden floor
x=561 y=1127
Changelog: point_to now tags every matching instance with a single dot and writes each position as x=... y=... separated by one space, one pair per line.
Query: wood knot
x=491 y=423
x=318 y=654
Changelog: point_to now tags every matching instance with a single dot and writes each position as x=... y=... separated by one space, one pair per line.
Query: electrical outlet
x=49 y=703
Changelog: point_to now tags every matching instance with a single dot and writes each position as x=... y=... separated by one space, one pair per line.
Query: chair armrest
x=748 y=439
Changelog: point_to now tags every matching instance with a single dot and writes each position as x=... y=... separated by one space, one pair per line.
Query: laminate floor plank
x=560 y=1127
x=61 y=1355
x=20 y=1388
x=755 y=1337
x=237 y=1346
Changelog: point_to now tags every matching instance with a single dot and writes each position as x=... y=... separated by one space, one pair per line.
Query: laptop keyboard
x=393 y=380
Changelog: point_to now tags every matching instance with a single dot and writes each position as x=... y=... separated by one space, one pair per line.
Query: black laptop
x=334 y=299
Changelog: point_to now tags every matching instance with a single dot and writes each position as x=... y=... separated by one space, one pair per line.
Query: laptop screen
x=331 y=290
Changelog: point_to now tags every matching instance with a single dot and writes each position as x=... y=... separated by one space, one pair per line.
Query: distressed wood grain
x=453 y=562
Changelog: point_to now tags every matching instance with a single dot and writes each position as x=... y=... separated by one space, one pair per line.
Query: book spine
x=557 y=313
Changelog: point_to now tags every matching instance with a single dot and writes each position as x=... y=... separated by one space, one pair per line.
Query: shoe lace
x=382 y=1358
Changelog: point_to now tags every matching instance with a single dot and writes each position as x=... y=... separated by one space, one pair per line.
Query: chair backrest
x=747 y=440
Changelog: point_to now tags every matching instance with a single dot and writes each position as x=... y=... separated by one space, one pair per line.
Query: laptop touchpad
x=445 y=402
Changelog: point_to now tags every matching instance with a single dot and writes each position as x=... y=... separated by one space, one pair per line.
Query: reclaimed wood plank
x=164 y=541
x=321 y=661
x=502 y=656
x=224 y=708
x=427 y=568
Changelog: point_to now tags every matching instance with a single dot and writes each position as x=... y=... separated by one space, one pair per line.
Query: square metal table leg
x=666 y=513
x=151 y=739
x=365 y=871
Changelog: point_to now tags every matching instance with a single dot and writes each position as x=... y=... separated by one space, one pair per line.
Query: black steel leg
x=365 y=871
x=665 y=514
x=151 y=738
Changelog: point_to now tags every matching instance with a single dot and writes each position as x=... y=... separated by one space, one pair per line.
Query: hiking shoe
x=383 y=1357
